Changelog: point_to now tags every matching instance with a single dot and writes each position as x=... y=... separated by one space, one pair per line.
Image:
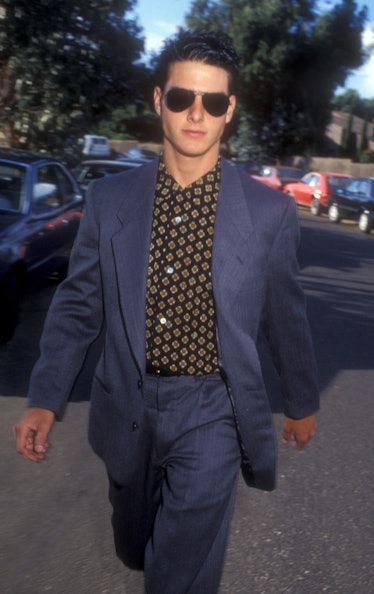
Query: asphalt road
x=310 y=536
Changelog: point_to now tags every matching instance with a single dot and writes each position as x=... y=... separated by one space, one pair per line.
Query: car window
x=90 y=172
x=363 y=187
x=352 y=186
x=67 y=190
x=12 y=187
x=308 y=179
x=335 y=182
x=311 y=179
x=52 y=189
x=359 y=187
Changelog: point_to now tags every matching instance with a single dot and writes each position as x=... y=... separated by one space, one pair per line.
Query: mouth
x=194 y=133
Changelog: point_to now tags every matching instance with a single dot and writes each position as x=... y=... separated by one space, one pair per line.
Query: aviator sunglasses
x=215 y=104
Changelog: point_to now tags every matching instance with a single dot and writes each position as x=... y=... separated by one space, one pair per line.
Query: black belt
x=160 y=372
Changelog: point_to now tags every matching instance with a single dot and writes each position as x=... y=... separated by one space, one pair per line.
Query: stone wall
x=335 y=165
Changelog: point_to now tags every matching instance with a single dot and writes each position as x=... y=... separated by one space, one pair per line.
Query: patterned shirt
x=180 y=315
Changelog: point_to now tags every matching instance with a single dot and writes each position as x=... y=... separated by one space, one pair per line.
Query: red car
x=277 y=177
x=315 y=189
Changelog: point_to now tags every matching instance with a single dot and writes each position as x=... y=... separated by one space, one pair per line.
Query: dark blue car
x=354 y=201
x=40 y=211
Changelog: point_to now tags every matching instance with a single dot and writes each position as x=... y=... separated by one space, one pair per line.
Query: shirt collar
x=165 y=179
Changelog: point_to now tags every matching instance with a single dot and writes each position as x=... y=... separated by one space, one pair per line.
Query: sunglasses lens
x=179 y=99
x=216 y=103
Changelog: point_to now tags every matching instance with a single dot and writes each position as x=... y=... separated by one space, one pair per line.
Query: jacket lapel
x=131 y=252
x=233 y=234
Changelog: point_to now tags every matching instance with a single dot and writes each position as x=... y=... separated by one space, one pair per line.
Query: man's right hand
x=32 y=431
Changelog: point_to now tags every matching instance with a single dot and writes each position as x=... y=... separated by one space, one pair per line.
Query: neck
x=186 y=169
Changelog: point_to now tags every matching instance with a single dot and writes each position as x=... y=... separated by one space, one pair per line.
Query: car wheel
x=365 y=222
x=315 y=207
x=9 y=306
x=334 y=214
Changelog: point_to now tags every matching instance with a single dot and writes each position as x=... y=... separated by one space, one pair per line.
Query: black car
x=40 y=211
x=92 y=169
x=354 y=201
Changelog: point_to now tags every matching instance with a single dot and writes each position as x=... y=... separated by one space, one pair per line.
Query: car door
x=55 y=213
x=351 y=200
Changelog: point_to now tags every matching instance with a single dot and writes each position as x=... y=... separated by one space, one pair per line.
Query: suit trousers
x=173 y=519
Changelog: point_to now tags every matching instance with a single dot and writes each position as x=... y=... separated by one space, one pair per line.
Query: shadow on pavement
x=340 y=297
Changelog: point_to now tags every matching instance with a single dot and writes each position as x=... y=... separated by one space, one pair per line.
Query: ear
x=230 y=109
x=157 y=97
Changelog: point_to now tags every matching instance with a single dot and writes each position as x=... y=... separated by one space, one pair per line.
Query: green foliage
x=293 y=59
x=351 y=102
x=363 y=138
x=367 y=156
x=349 y=139
x=63 y=67
x=127 y=123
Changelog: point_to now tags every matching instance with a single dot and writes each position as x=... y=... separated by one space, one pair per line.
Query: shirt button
x=170 y=270
x=178 y=219
x=163 y=320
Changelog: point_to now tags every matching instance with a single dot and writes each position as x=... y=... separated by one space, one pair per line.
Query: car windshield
x=12 y=187
x=361 y=187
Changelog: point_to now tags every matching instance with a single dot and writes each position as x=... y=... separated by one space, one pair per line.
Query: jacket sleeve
x=73 y=321
x=285 y=322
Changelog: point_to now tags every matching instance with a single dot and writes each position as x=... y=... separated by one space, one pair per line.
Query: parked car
x=40 y=211
x=355 y=201
x=315 y=189
x=95 y=146
x=248 y=166
x=277 y=177
x=87 y=171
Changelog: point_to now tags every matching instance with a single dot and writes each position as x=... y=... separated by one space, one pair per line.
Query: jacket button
x=140 y=384
x=135 y=426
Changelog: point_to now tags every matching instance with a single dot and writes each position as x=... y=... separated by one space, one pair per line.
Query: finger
x=29 y=443
x=301 y=439
x=288 y=435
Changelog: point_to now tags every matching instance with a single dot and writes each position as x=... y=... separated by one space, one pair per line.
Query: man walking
x=178 y=263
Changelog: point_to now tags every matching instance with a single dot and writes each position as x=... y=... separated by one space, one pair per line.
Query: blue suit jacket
x=254 y=270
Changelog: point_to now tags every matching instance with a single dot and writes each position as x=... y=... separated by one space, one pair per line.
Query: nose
x=196 y=111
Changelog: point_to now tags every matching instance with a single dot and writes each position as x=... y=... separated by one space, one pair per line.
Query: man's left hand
x=299 y=431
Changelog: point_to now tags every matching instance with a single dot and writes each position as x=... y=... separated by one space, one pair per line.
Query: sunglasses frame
x=189 y=96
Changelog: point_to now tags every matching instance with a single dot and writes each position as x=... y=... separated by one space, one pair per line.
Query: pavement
x=312 y=535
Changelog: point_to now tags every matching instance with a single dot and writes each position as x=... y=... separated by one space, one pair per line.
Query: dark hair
x=209 y=48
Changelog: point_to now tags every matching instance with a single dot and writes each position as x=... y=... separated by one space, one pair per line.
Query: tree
x=349 y=139
x=293 y=59
x=363 y=138
x=63 y=66
x=348 y=102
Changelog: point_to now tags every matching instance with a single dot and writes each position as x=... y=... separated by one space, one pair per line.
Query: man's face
x=194 y=132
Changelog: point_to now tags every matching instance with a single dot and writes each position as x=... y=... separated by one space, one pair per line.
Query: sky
x=161 y=18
